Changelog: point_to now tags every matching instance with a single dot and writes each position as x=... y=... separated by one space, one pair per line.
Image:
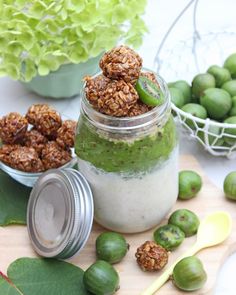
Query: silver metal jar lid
x=60 y=213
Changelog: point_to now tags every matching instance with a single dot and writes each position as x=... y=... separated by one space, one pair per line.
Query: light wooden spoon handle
x=157 y=284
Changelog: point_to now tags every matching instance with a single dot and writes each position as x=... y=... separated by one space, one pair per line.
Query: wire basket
x=188 y=58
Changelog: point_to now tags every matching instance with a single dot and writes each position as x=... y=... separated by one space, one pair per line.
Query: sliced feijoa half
x=148 y=92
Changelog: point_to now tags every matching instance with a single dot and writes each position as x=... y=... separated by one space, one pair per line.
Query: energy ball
x=5 y=151
x=117 y=99
x=151 y=256
x=35 y=139
x=12 y=128
x=45 y=119
x=121 y=63
x=94 y=88
x=53 y=156
x=25 y=159
x=66 y=134
x=138 y=108
x=151 y=76
x=35 y=111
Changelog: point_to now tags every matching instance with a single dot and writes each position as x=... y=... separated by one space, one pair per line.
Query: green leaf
x=13 y=71
x=7 y=289
x=15 y=48
x=13 y=201
x=34 y=276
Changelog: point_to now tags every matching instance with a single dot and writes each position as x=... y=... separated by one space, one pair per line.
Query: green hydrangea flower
x=36 y=37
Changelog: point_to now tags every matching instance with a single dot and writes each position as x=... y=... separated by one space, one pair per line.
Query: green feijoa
x=169 y=236
x=230 y=186
x=111 y=247
x=101 y=278
x=211 y=136
x=233 y=109
x=190 y=183
x=230 y=131
x=149 y=93
x=176 y=97
x=220 y=74
x=186 y=220
x=195 y=110
x=184 y=87
x=230 y=87
x=230 y=64
x=202 y=82
x=189 y=274
x=217 y=102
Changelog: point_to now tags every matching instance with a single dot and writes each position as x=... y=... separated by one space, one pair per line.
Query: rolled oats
x=5 y=151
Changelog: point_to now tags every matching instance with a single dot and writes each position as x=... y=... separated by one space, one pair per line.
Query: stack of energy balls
x=38 y=141
x=113 y=92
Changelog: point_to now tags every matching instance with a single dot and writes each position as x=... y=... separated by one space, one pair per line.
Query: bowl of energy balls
x=35 y=142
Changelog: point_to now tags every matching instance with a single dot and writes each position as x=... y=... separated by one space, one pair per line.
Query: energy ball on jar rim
x=121 y=63
x=117 y=98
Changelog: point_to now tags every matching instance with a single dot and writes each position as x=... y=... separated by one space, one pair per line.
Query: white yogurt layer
x=134 y=203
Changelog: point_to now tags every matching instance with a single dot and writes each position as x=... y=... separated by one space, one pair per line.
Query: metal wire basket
x=188 y=58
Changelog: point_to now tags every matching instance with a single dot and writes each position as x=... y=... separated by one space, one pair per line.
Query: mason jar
x=131 y=164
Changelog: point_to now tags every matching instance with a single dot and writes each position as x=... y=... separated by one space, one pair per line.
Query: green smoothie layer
x=120 y=156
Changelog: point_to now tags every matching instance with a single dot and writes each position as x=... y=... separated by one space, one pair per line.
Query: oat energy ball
x=138 y=108
x=94 y=88
x=121 y=63
x=34 y=112
x=66 y=134
x=12 y=128
x=25 y=159
x=151 y=256
x=45 y=119
x=53 y=156
x=150 y=76
x=5 y=151
x=117 y=99
x=35 y=139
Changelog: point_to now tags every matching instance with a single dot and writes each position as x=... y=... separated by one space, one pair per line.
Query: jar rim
x=110 y=123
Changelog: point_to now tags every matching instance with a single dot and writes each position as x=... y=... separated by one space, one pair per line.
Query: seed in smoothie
x=169 y=236
x=149 y=92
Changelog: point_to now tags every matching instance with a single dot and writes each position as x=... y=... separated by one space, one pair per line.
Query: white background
x=212 y=15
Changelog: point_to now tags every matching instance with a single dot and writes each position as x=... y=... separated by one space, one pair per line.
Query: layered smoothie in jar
x=127 y=145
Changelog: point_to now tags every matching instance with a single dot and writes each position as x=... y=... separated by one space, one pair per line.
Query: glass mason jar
x=131 y=164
